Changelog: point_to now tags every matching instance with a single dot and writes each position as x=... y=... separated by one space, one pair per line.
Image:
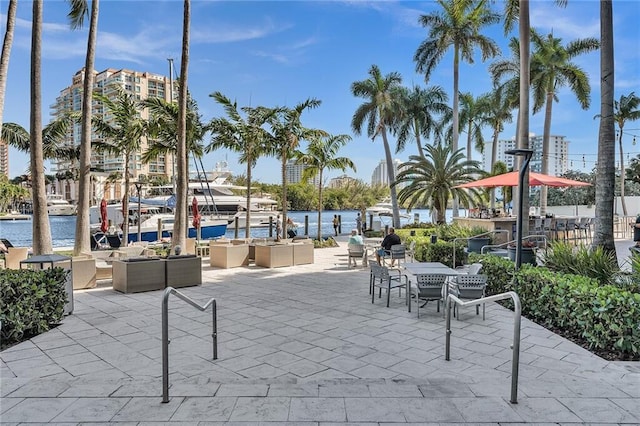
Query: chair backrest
x=537 y=224
x=474 y=268
x=356 y=250
x=471 y=286
x=379 y=272
x=561 y=224
x=430 y=285
x=398 y=251
x=114 y=241
x=547 y=223
x=571 y=223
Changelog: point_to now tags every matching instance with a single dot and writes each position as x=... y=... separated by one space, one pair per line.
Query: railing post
x=214 y=334
x=517 y=312
x=165 y=345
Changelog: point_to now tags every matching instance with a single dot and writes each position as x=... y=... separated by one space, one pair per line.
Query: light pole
x=139 y=189
x=526 y=153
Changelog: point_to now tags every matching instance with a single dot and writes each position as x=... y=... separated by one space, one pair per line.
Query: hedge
x=31 y=301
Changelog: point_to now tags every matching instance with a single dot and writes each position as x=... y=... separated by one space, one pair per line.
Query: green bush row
x=31 y=301
x=606 y=316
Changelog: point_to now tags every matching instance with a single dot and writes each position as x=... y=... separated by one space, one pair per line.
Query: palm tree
x=605 y=173
x=53 y=137
x=626 y=109
x=458 y=25
x=122 y=134
x=162 y=129
x=381 y=110
x=322 y=154
x=6 y=52
x=497 y=111
x=473 y=119
x=419 y=107
x=181 y=227
x=79 y=10
x=243 y=135
x=41 y=228
x=286 y=133
x=432 y=179
x=551 y=69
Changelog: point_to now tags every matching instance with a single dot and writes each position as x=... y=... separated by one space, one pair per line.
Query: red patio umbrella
x=104 y=225
x=512 y=178
x=195 y=212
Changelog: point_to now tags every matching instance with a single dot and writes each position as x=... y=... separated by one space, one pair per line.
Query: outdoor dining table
x=417 y=268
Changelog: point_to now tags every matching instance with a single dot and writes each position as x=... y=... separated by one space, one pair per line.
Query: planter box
x=138 y=274
x=228 y=255
x=302 y=253
x=528 y=255
x=274 y=256
x=475 y=244
x=84 y=272
x=183 y=271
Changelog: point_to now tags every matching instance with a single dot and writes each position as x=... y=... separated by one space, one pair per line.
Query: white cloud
x=548 y=17
x=277 y=57
x=228 y=34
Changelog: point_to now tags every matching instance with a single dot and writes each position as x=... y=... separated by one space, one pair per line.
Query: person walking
x=336 y=223
x=359 y=223
x=278 y=228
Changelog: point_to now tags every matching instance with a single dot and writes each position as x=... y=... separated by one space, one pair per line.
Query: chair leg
x=388 y=294
x=483 y=312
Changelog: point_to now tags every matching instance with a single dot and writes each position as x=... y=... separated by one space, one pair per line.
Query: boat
x=58 y=206
x=216 y=197
x=153 y=222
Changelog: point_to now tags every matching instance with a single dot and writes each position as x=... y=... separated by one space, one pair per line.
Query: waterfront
x=63 y=227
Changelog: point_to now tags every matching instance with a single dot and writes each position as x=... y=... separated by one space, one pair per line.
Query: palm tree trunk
x=6 y=52
x=181 y=227
x=545 y=150
x=456 y=96
x=605 y=173
x=392 y=179
x=41 y=227
x=419 y=143
x=469 y=148
x=247 y=217
x=494 y=157
x=523 y=114
x=125 y=199
x=284 y=195
x=320 y=208
x=82 y=242
x=624 y=204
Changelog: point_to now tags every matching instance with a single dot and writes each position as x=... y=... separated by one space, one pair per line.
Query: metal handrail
x=528 y=237
x=165 y=333
x=515 y=362
x=495 y=231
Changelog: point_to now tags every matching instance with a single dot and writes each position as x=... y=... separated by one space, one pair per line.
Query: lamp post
x=526 y=153
x=139 y=189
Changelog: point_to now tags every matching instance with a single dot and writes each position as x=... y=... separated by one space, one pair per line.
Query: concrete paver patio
x=304 y=345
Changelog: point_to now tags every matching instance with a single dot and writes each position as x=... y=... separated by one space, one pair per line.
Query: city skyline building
x=294 y=173
x=341 y=181
x=558 y=154
x=141 y=85
x=4 y=158
x=380 y=176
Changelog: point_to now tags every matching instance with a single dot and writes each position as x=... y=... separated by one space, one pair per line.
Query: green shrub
x=31 y=301
x=591 y=262
x=605 y=316
x=499 y=272
x=329 y=242
x=442 y=251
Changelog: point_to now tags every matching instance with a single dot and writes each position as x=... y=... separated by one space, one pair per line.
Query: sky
x=280 y=53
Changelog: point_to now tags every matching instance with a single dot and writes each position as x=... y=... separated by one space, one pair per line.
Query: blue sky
x=273 y=53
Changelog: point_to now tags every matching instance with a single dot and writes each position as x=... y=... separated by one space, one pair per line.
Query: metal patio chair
x=382 y=277
x=428 y=287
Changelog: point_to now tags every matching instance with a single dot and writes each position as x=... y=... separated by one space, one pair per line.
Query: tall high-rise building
x=294 y=173
x=4 y=158
x=141 y=85
x=380 y=175
x=558 y=154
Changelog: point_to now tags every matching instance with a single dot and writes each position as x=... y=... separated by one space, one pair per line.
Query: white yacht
x=216 y=197
x=58 y=206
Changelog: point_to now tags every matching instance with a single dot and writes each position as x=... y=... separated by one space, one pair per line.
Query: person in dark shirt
x=390 y=240
x=636 y=231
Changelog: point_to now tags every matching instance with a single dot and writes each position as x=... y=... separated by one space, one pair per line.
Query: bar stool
x=570 y=227
x=560 y=227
